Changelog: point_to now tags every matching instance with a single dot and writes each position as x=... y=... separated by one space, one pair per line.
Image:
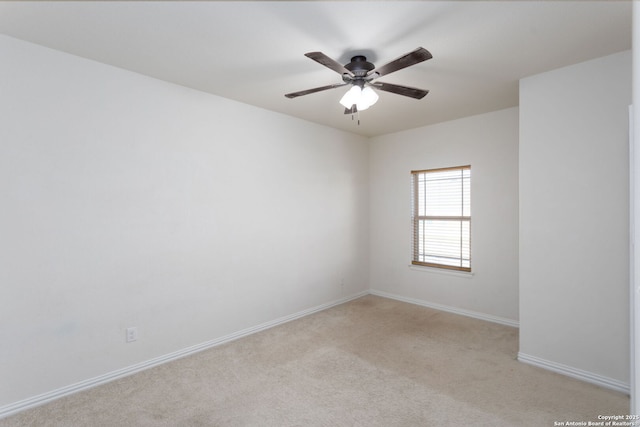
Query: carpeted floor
x=369 y=362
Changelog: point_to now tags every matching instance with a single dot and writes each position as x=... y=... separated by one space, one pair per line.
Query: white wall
x=487 y=142
x=128 y=201
x=574 y=218
x=634 y=220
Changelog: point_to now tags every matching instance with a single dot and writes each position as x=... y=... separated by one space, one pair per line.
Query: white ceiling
x=253 y=52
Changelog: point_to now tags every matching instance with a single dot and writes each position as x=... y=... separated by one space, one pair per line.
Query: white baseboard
x=450 y=309
x=41 y=399
x=579 y=374
x=569 y=371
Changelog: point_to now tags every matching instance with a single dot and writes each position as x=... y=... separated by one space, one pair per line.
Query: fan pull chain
x=353 y=114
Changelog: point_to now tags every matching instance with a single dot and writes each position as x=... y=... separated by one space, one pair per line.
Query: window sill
x=446 y=272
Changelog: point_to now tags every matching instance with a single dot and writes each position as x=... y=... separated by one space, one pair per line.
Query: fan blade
x=401 y=90
x=411 y=58
x=323 y=59
x=314 y=90
x=351 y=110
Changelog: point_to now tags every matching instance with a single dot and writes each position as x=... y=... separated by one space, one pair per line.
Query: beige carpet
x=369 y=362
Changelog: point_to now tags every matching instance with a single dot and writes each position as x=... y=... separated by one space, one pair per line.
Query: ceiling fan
x=362 y=75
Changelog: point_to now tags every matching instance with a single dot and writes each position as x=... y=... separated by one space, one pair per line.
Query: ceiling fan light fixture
x=368 y=97
x=352 y=97
x=359 y=73
x=361 y=98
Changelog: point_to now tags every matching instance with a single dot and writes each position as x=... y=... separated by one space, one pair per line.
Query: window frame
x=416 y=218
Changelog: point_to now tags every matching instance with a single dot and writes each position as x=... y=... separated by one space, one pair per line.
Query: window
x=441 y=218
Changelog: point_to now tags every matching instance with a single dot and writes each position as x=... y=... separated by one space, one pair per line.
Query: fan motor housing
x=359 y=66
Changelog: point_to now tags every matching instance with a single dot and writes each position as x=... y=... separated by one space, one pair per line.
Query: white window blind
x=441 y=218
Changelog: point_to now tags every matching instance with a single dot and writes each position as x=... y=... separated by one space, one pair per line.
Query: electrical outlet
x=132 y=334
